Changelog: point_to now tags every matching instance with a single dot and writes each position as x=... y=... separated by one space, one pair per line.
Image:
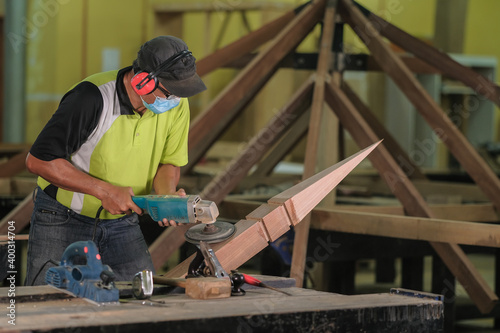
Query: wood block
x=275 y=219
x=208 y=288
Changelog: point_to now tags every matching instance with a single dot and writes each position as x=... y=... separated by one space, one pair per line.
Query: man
x=114 y=135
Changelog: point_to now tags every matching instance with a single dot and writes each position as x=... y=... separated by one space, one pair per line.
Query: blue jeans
x=54 y=227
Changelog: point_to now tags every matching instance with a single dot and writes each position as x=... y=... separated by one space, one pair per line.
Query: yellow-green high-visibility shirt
x=97 y=130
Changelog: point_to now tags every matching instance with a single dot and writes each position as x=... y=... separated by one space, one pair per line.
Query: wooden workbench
x=46 y=309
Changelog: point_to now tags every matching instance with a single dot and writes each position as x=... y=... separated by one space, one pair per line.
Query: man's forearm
x=63 y=174
x=166 y=179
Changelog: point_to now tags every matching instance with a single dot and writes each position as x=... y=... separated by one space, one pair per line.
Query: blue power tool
x=82 y=273
x=188 y=209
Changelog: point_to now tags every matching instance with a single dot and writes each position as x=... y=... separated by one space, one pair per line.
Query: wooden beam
x=284 y=147
x=14 y=165
x=11 y=149
x=211 y=123
x=467 y=192
x=411 y=170
x=406 y=227
x=352 y=62
x=222 y=184
x=17 y=237
x=437 y=119
x=392 y=222
x=244 y=45
x=252 y=236
x=239 y=167
x=234 y=208
x=313 y=136
x=451 y=254
x=434 y=57
x=21 y=215
x=416 y=65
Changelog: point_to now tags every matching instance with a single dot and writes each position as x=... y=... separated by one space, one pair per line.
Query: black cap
x=180 y=78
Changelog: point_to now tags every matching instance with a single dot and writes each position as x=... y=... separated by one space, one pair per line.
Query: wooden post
x=311 y=158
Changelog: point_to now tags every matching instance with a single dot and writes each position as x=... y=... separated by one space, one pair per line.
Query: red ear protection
x=143 y=83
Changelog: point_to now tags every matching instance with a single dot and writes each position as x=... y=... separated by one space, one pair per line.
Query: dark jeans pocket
x=131 y=220
x=45 y=216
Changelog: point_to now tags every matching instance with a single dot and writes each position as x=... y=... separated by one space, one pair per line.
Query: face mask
x=161 y=105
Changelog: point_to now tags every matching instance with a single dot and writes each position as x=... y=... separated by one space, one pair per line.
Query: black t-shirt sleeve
x=71 y=125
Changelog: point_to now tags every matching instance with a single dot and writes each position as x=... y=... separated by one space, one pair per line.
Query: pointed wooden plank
x=300 y=199
x=412 y=170
x=211 y=123
x=451 y=136
x=313 y=137
x=244 y=45
x=251 y=236
x=21 y=215
x=406 y=227
x=274 y=218
x=451 y=254
x=436 y=58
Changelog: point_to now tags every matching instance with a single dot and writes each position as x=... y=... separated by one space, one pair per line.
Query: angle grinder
x=188 y=209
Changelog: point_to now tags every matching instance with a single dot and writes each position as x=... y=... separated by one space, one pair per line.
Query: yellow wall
x=482 y=32
x=69 y=45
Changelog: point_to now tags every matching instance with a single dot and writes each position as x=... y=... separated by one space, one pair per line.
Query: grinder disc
x=210 y=233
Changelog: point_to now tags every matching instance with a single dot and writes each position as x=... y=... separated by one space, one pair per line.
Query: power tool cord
x=97 y=219
x=41 y=269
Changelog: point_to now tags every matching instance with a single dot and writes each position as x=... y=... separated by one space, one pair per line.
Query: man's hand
x=165 y=222
x=118 y=200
